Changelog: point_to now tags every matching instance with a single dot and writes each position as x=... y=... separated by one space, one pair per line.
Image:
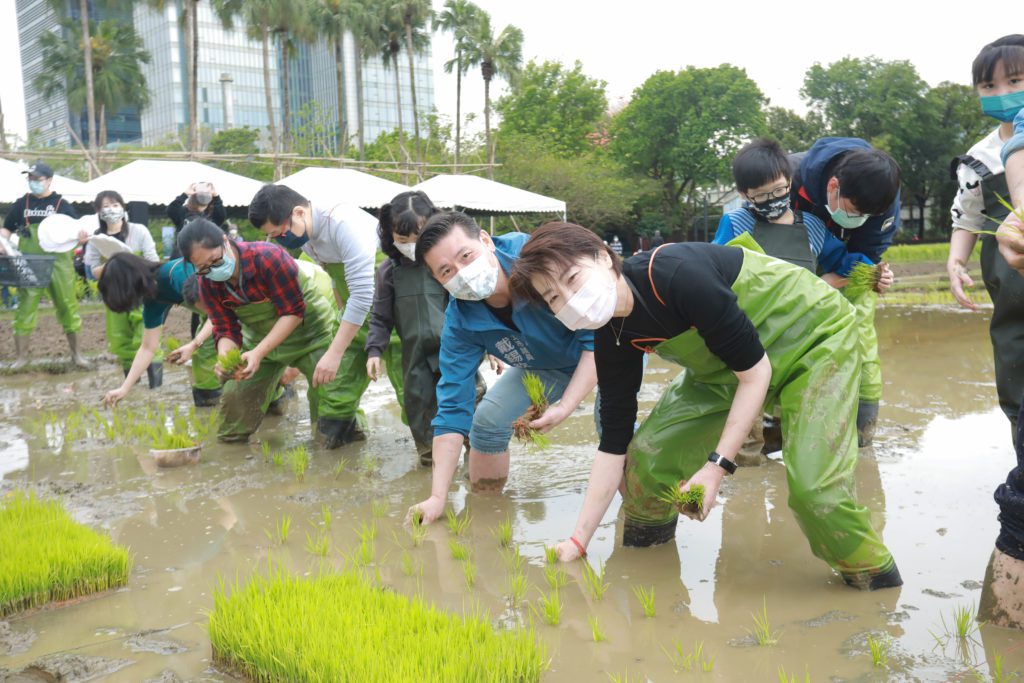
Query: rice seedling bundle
x=863 y=278
x=45 y=556
x=538 y=394
x=340 y=627
x=171 y=344
x=230 y=362
x=169 y=441
x=691 y=501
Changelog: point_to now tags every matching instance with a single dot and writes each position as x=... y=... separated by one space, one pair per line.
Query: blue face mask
x=36 y=187
x=225 y=270
x=290 y=240
x=1003 y=107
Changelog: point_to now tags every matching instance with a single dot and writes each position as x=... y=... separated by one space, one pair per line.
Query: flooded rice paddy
x=942 y=447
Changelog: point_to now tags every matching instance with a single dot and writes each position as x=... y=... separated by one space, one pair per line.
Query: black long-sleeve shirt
x=179 y=213
x=694 y=282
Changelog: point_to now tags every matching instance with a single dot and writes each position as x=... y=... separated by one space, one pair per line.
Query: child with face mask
x=124 y=329
x=998 y=77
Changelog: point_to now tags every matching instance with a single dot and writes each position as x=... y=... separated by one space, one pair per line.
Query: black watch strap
x=725 y=463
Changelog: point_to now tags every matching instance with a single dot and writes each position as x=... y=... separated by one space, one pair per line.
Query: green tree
x=458 y=17
x=116 y=57
x=555 y=105
x=388 y=37
x=334 y=18
x=794 y=133
x=85 y=45
x=498 y=55
x=416 y=18
x=240 y=141
x=683 y=128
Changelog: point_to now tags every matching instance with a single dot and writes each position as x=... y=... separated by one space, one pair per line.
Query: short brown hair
x=552 y=248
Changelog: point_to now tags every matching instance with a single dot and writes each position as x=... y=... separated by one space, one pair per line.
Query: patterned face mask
x=771 y=209
x=111 y=214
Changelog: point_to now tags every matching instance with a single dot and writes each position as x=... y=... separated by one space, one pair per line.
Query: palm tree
x=415 y=17
x=500 y=55
x=190 y=30
x=59 y=6
x=334 y=19
x=458 y=17
x=117 y=54
x=293 y=26
x=388 y=38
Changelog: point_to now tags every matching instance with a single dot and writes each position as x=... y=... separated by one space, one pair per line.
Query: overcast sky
x=625 y=42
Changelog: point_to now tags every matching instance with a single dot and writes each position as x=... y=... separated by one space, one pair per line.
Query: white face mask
x=407 y=249
x=474 y=282
x=593 y=304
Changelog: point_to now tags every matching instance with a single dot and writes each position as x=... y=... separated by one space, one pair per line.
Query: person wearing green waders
x=347 y=253
x=278 y=312
x=748 y=328
x=124 y=328
x=128 y=282
x=24 y=217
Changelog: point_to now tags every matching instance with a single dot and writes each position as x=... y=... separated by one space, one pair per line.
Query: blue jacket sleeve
x=724 y=232
x=834 y=257
x=585 y=338
x=456 y=392
x=875 y=236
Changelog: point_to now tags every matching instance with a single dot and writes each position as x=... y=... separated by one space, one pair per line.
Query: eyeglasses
x=777 y=193
x=205 y=270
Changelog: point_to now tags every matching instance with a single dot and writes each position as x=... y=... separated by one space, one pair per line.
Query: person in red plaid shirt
x=278 y=311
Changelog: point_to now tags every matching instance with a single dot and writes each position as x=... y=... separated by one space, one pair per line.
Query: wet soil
x=941 y=438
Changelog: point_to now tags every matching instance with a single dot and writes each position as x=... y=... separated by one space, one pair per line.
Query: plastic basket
x=27 y=270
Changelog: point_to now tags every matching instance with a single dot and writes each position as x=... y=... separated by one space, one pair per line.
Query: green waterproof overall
x=124 y=335
x=352 y=371
x=809 y=333
x=244 y=403
x=61 y=290
x=204 y=360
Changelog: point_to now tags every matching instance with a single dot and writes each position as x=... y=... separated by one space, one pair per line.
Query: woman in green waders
x=747 y=328
x=279 y=313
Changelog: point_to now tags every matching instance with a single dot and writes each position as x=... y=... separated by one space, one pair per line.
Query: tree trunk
x=487 y=128
x=412 y=90
x=194 y=83
x=359 y=98
x=286 y=110
x=458 y=107
x=3 y=132
x=103 y=126
x=339 y=68
x=398 y=100
x=186 y=11
x=269 y=100
x=90 y=95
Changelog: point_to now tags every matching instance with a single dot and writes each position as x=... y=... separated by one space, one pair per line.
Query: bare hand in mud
x=958 y=281
x=495 y=364
x=1010 y=237
x=709 y=476
x=885 y=278
x=182 y=354
x=326 y=368
x=567 y=551
x=111 y=398
x=430 y=510
x=551 y=418
x=373 y=369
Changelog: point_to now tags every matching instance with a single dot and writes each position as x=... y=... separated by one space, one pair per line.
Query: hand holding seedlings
x=689 y=501
x=885 y=277
x=568 y=551
x=1010 y=237
x=710 y=477
x=252 y=364
x=523 y=428
x=229 y=364
x=182 y=354
x=112 y=397
x=429 y=510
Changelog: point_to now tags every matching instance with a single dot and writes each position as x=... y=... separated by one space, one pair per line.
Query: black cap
x=40 y=169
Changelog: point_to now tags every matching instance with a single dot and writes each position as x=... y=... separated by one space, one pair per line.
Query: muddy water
x=941 y=449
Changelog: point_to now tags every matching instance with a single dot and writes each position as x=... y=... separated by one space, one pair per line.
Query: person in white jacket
x=124 y=330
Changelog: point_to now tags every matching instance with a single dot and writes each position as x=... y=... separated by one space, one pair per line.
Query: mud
x=940 y=438
x=14 y=641
x=71 y=668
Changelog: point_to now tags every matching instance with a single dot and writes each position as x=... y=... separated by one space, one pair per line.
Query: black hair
x=274 y=203
x=870 y=179
x=127 y=281
x=758 y=163
x=199 y=232
x=439 y=226
x=1009 y=50
x=108 y=194
x=190 y=290
x=406 y=215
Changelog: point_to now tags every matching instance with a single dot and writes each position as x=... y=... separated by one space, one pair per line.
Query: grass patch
x=339 y=627
x=917 y=253
x=45 y=556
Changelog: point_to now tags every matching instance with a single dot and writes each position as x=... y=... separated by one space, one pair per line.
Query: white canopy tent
x=156 y=181
x=13 y=183
x=343 y=186
x=486 y=196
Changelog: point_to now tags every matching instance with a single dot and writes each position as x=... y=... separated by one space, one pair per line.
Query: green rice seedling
x=457 y=525
x=370 y=464
x=879 y=648
x=995 y=672
x=171 y=343
x=230 y=362
x=695 y=661
x=318 y=545
x=517 y=586
x=691 y=501
x=538 y=395
x=265 y=449
x=366 y=553
x=168 y=441
x=459 y=551
x=556 y=576
x=326 y=517
x=504 y=533
x=863 y=278
x=964 y=622
x=516 y=561
x=45 y=556
x=551 y=608
x=785 y=678
x=409 y=566
x=339 y=468
x=646 y=598
x=618 y=678
x=259 y=628
x=416 y=528
x=762 y=631
x=379 y=508
x=283 y=528
x=298 y=461
x=594 y=581
x=551 y=555
x=367 y=532
x=277 y=459
x=469 y=571
x=595 y=629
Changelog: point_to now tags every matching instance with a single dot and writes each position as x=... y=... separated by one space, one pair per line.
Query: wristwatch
x=725 y=463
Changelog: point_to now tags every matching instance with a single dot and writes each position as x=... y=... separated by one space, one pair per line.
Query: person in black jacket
x=198 y=199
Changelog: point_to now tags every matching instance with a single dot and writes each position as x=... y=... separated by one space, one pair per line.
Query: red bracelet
x=579 y=546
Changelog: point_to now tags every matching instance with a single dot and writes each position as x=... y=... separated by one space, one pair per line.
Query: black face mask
x=771 y=209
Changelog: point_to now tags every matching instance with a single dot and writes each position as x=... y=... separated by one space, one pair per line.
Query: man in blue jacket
x=474 y=267
x=855 y=189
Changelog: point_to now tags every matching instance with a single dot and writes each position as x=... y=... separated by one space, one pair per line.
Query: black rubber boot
x=772 y=434
x=865 y=582
x=867 y=420
x=638 y=535
x=338 y=432
x=204 y=398
x=155 y=374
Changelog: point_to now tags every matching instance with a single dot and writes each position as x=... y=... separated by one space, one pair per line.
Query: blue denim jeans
x=505 y=402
